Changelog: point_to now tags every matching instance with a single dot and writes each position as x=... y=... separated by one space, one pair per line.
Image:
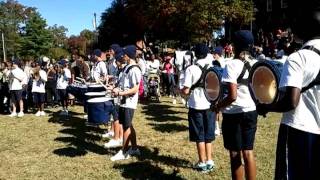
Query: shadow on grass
x=168 y=128
x=161 y=113
x=144 y=170
x=78 y=137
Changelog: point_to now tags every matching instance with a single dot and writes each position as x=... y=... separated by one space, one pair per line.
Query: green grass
x=50 y=148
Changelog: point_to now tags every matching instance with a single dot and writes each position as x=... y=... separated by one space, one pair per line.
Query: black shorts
x=63 y=94
x=39 y=98
x=298 y=154
x=239 y=130
x=115 y=112
x=15 y=96
x=126 y=117
x=201 y=125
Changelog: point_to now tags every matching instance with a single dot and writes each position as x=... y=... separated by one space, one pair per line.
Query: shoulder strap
x=200 y=82
x=246 y=67
x=130 y=67
x=316 y=81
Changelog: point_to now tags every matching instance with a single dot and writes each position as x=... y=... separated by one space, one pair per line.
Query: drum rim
x=95 y=93
x=214 y=70
x=92 y=99
x=251 y=73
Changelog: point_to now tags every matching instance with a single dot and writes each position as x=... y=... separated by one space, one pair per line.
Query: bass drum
x=264 y=81
x=213 y=88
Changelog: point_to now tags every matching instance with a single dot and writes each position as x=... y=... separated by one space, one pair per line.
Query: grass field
x=52 y=148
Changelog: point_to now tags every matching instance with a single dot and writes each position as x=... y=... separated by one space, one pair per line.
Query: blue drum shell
x=99 y=110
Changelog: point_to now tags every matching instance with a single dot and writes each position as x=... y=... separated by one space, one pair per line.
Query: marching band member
x=239 y=122
x=16 y=79
x=128 y=92
x=200 y=117
x=64 y=76
x=298 y=144
x=38 y=88
x=99 y=72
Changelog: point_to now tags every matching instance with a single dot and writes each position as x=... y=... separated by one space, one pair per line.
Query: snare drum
x=91 y=95
x=78 y=91
x=264 y=81
x=99 y=110
x=213 y=88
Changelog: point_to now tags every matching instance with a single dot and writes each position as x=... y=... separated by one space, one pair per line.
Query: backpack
x=246 y=67
x=316 y=81
x=200 y=82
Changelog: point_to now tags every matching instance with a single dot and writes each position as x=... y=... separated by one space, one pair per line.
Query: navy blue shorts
x=298 y=154
x=39 y=98
x=125 y=117
x=201 y=125
x=63 y=94
x=239 y=130
x=15 y=96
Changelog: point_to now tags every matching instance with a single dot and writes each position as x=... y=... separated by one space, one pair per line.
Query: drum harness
x=125 y=72
x=316 y=81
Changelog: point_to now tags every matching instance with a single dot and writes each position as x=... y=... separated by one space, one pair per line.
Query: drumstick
x=81 y=79
x=103 y=85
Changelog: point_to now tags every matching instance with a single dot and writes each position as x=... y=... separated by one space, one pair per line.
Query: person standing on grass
x=64 y=76
x=128 y=92
x=298 y=146
x=16 y=78
x=200 y=117
x=239 y=123
x=99 y=72
x=38 y=88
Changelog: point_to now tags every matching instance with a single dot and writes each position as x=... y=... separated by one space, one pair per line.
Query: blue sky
x=75 y=15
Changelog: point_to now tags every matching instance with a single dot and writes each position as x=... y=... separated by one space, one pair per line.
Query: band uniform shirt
x=153 y=67
x=99 y=70
x=197 y=99
x=39 y=85
x=300 y=69
x=128 y=81
x=63 y=79
x=244 y=101
x=16 y=78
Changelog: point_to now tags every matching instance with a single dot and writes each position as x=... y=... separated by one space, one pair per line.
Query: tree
x=36 y=40
x=59 y=35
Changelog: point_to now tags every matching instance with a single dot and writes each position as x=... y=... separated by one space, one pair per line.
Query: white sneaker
x=42 y=113
x=38 y=114
x=85 y=116
x=217 y=132
x=120 y=156
x=14 y=114
x=108 y=135
x=20 y=114
x=170 y=96
x=113 y=143
x=134 y=152
x=174 y=101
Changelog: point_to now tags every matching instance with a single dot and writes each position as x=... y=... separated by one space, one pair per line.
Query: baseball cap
x=97 y=52
x=130 y=51
x=218 y=50
x=243 y=40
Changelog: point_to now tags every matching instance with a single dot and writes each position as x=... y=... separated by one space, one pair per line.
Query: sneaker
x=200 y=166
x=20 y=114
x=134 y=152
x=217 y=132
x=13 y=114
x=42 y=113
x=38 y=114
x=120 y=156
x=210 y=165
x=174 y=101
x=85 y=116
x=108 y=135
x=113 y=143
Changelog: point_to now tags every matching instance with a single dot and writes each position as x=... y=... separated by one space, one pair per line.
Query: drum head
x=212 y=86
x=264 y=85
x=95 y=93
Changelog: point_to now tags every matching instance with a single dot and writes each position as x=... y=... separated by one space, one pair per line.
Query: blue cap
x=62 y=62
x=218 y=50
x=130 y=51
x=16 y=61
x=115 y=47
x=201 y=50
x=243 y=40
x=97 y=52
x=119 y=55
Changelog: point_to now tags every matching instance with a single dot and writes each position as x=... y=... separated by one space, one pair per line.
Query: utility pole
x=3 y=48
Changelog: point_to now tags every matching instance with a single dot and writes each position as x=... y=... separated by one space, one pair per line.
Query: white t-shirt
x=143 y=66
x=244 y=102
x=63 y=79
x=99 y=70
x=128 y=81
x=197 y=99
x=39 y=86
x=16 y=78
x=153 y=67
x=299 y=71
